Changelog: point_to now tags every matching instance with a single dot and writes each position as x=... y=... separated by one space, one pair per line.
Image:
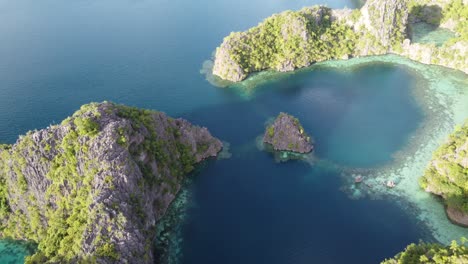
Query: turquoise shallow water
x=364 y=115
x=12 y=252
x=429 y=34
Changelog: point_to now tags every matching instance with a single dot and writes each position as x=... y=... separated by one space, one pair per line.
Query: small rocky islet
x=287 y=134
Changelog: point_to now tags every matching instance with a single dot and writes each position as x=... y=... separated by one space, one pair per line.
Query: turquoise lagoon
x=379 y=117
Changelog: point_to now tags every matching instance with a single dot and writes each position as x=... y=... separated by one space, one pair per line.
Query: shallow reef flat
x=442 y=94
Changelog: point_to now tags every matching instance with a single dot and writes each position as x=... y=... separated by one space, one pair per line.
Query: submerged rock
x=457 y=216
x=93 y=187
x=287 y=134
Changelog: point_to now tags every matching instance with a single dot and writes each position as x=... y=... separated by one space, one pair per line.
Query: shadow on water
x=431 y=14
x=424 y=25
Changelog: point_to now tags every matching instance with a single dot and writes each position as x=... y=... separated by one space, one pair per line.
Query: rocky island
x=92 y=188
x=447 y=175
x=296 y=39
x=287 y=134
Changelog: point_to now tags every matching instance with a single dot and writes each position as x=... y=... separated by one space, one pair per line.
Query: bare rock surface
x=287 y=134
x=457 y=216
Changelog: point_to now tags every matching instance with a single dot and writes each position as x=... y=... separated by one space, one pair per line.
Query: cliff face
x=453 y=56
x=386 y=21
x=92 y=188
x=292 y=40
x=281 y=42
x=225 y=66
x=287 y=134
x=447 y=175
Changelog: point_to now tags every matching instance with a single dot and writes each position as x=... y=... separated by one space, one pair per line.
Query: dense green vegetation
x=295 y=39
x=4 y=205
x=447 y=174
x=58 y=231
x=457 y=11
x=60 y=219
x=4 y=147
x=454 y=11
x=432 y=253
x=292 y=38
x=157 y=147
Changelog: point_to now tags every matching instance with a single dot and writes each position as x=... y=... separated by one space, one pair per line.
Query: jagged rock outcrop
x=225 y=66
x=457 y=216
x=386 y=20
x=93 y=187
x=287 y=134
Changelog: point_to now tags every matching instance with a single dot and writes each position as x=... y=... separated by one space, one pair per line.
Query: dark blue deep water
x=251 y=209
x=57 y=55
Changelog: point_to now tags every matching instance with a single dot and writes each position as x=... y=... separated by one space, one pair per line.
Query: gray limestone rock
x=109 y=172
x=287 y=134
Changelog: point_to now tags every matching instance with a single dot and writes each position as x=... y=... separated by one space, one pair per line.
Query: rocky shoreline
x=296 y=39
x=446 y=175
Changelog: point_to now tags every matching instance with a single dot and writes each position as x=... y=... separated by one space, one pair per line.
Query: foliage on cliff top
x=287 y=134
x=447 y=174
x=440 y=11
x=295 y=39
x=432 y=253
x=54 y=180
x=291 y=38
x=457 y=11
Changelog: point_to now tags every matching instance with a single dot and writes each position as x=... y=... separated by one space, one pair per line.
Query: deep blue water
x=251 y=209
x=58 y=55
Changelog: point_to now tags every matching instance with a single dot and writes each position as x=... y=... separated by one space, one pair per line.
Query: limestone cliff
x=447 y=175
x=386 y=21
x=287 y=134
x=93 y=187
x=291 y=40
x=281 y=42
